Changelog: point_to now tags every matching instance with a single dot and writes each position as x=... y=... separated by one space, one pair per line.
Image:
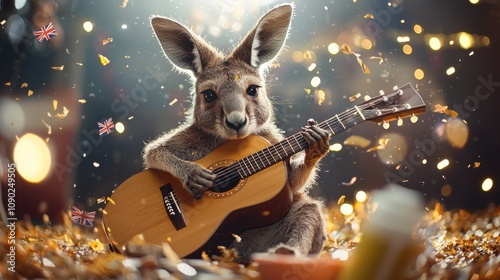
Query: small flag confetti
x=45 y=33
x=82 y=217
x=105 y=126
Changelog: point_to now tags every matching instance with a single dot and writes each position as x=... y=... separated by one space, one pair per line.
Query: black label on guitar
x=173 y=209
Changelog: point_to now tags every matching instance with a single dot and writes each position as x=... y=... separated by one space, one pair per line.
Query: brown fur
x=211 y=123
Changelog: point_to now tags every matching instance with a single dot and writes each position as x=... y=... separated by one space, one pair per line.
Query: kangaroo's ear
x=265 y=41
x=183 y=48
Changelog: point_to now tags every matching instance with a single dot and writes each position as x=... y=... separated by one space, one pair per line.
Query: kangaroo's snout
x=236 y=120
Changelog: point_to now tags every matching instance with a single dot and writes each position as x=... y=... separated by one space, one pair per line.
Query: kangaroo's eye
x=252 y=90
x=210 y=95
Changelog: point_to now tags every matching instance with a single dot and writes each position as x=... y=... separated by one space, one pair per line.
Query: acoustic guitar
x=250 y=189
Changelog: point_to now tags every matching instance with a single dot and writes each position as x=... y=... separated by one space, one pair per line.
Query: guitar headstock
x=402 y=102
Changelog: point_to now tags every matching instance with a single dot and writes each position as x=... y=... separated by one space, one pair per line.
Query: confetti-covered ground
x=453 y=245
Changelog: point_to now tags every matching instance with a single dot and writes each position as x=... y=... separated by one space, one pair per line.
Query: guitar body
x=145 y=204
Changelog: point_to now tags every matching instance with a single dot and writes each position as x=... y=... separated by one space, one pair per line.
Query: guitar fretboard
x=289 y=146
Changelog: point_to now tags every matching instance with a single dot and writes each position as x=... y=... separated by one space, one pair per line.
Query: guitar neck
x=295 y=143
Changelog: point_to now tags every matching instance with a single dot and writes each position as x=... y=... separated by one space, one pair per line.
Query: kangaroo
x=230 y=102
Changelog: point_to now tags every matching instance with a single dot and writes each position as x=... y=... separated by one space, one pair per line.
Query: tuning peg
x=385 y=125
x=413 y=118
x=400 y=121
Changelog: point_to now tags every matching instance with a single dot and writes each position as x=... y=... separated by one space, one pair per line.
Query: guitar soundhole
x=224 y=183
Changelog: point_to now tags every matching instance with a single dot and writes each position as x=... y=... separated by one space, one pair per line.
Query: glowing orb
x=32 y=158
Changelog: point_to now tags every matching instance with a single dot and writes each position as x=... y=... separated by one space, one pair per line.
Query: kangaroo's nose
x=236 y=121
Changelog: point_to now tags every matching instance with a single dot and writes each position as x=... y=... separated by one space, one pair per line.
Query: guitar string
x=232 y=170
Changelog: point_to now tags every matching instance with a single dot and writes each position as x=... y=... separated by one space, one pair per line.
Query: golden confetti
x=308 y=90
x=59 y=115
x=104 y=60
x=355 y=140
x=46 y=219
x=79 y=63
x=321 y=96
x=30 y=92
x=370 y=16
x=111 y=201
x=307 y=55
x=49 y=132
x=96 y=245
x=23 y=85
x=96 y=164
x=347 y=50
x=350 y=183
x=381 y=59
x=236 y=77
x=205 y=257
x=124 y=4
x=54 y=104
x=341 y=200
x=3 y=22
x=83 y=101
x=101 y=200
x=103 y=211
x=173 y=102
x=7 y=84
x=58 y=68
x=106 y=41
x=354 y=97
x=237 y=238
x=477 y=164
x=382 y=143
x=438 y=108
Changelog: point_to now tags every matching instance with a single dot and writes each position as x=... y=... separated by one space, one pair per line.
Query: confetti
x=354 y=97
x=96 y=164
x=438 y=108
x=236 y=77
x=79 y=64
x=58 y=68
x=107 y=41
x=23 y=85
x=59 y=115
x=237 y=238
x=381 y=59
x=307 y=55
x=30 y=92
x=83 y=101
x=370 y=16
x=124 y=4
x=382 y=143
x=96 y=245
x=104 y=60
x=3 y=22
x=350 y=183
x=358 y=141
x=82 y=217
x=7 y=84
x=105 y=126
x=311 y=67
x=341 y=200
x=45 y=33
x=48 y=127
x=321 y=96
x=54 y=104
x=347 y=50
x=173 y=102
x=308 y=90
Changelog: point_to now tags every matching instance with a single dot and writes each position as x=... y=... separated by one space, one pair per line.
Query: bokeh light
x=419 y=74
x=32 y=157
x=88 y=26
x=346 y=209
x=435 y=43
x=361 y=196
x=120 y=128
x=443 y=164
x=487 y=184
x=315 y=81
x=465 y=40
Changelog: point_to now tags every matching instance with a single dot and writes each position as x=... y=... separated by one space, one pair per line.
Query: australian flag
x=82 y=217
x=45 y=33
x=105 y=126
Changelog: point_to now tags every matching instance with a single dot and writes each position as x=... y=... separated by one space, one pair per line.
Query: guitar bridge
x=172 y=208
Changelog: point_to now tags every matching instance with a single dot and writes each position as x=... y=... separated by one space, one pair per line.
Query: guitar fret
x=298 y=143
x=289 y=144
x=337 y=116
x=253 y=165
x=360 y=113
x=260 y=157
x=284 y=150
x=249 y=172
x=264 y=153
x=272 y=152
x=333 y=131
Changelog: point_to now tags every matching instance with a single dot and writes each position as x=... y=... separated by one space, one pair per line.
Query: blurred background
x=105 y=63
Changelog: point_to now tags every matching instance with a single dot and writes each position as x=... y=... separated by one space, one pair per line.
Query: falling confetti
x=83 y=101
x=96 y=164
x=45 y=33
x=380 y=59
x=106 y=126
x=48 y=127
x=354 y=97
x=30 y=92
x=370 y=16
x=347 y=50
x=107 y=41
x=438 y=108
x=237 y=238
x=382 y=143
x=307 y=55
x=355 y=140
x=79 y=64
x=350 y=183
x=62 y=115
x=124 y=4
x=7 y=84
x=341 y=200
x=236 y=77
x=173 y=102
x=104 y=60
x=24 y=85
x=58 y=68
x=308 y=90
